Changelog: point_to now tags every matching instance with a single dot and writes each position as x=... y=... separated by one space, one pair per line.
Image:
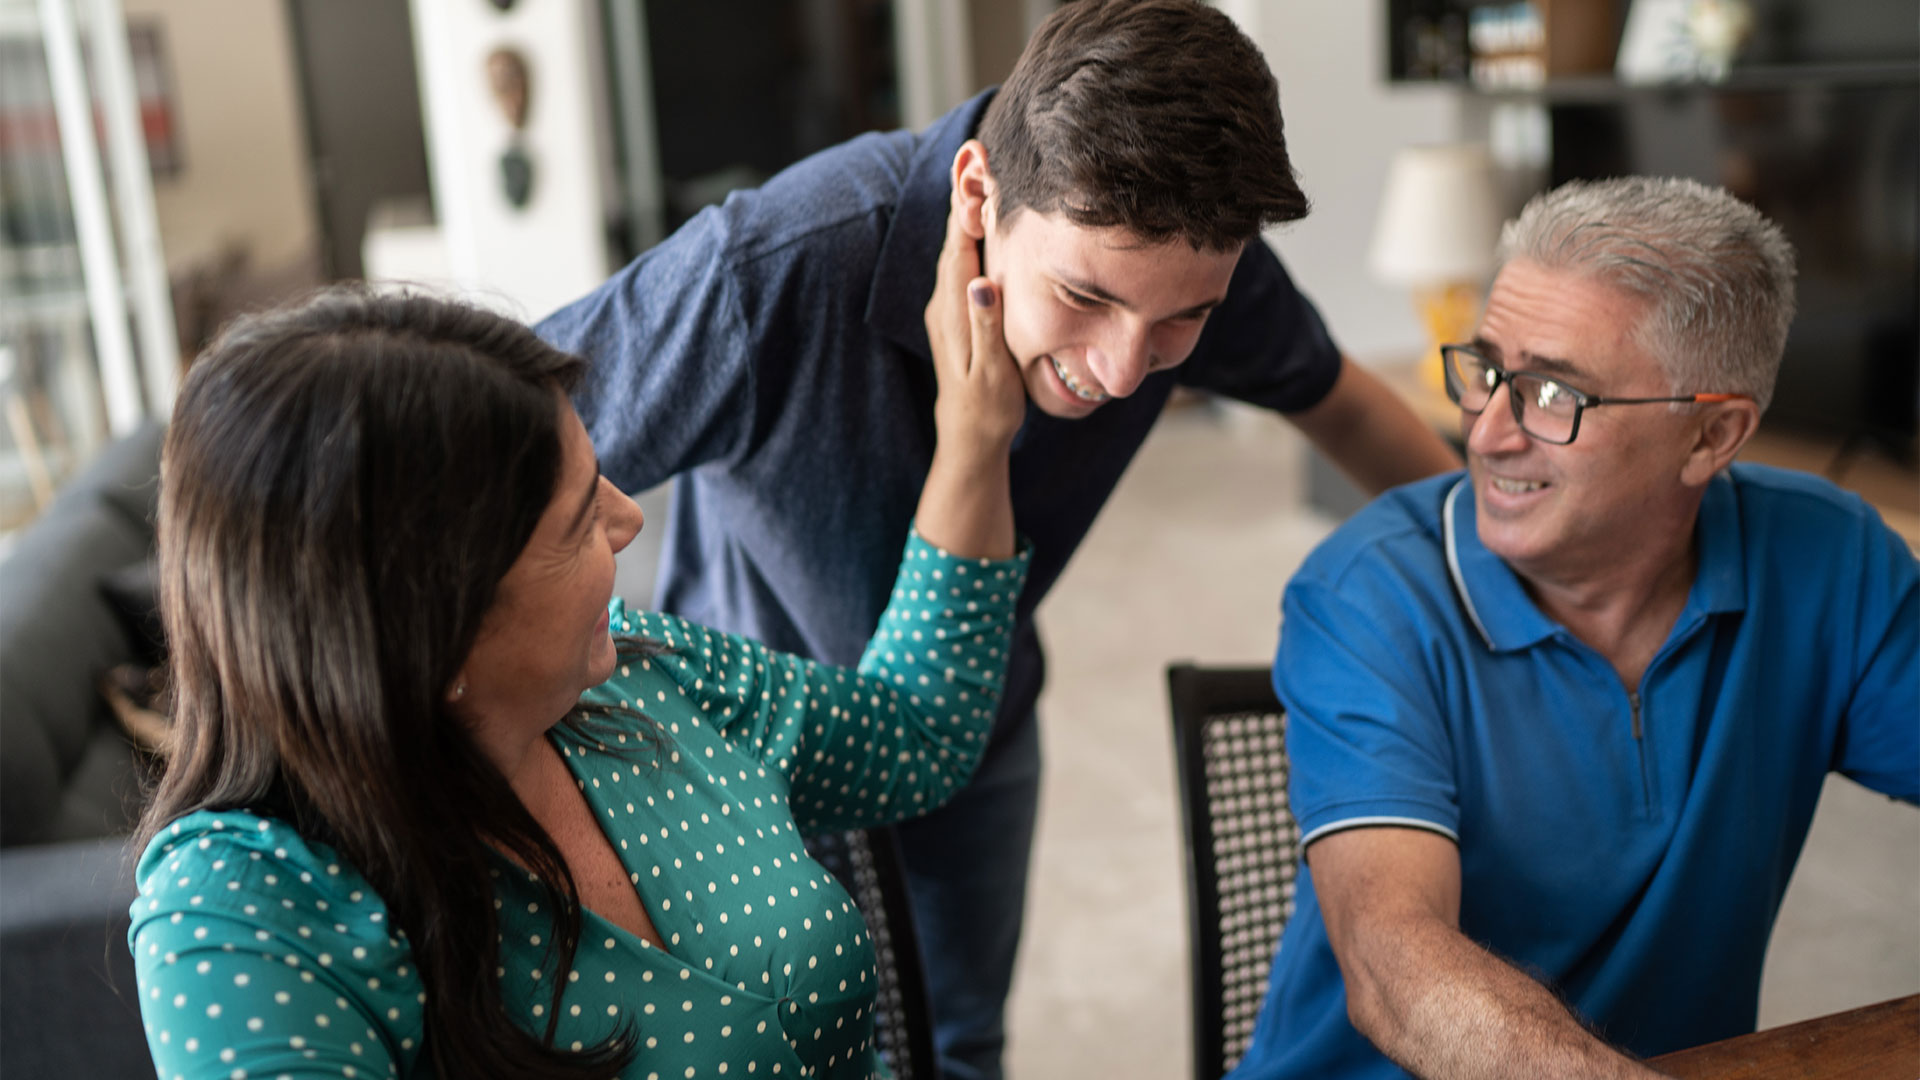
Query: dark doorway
x=362 y=100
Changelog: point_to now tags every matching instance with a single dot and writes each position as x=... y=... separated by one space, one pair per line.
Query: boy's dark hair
x=1157 y=116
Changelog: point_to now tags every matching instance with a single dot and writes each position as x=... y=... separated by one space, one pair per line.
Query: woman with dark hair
x=395 y=838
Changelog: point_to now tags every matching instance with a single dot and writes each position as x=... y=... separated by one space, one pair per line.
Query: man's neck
x=1624 y=606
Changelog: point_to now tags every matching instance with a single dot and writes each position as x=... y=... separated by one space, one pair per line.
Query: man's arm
x=1436 y=1003
x=1375 y=438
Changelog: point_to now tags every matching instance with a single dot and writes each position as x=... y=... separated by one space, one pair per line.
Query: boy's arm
x=670 y=377
x=1372 y=435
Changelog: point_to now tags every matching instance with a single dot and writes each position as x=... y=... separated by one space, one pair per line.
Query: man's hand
x=1431 y=999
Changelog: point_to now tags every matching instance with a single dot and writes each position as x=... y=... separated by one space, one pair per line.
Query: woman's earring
x=459 y=690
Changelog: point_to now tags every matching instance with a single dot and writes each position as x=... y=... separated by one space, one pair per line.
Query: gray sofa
x=69 y=780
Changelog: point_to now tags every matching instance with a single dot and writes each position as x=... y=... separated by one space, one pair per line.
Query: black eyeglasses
x=1544 y=407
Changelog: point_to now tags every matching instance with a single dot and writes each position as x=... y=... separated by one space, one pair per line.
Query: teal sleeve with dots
x=259 y=955
x=891 y=740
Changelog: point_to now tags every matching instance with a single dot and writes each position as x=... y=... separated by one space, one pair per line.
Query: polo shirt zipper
x=1640 y=745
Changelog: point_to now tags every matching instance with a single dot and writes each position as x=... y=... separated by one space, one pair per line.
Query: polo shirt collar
x=909 y=256
x=1720 y=584
x=1498 y=605
x=1495 y=601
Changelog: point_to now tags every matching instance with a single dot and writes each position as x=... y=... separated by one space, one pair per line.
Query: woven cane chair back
x=1242 y=846
x=869 y=868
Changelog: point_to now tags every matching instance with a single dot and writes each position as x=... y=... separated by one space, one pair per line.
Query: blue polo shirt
x=772 y=355
x=1628 y=850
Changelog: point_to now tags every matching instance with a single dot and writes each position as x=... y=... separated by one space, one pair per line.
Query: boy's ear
x=973 y=189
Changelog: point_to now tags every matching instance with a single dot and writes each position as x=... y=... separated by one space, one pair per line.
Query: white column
x=100 y=264
x=1245 y=12
x=933 y=51
x=529 y=259
x=1036 y=12
x=146 y=266
x=639 y=134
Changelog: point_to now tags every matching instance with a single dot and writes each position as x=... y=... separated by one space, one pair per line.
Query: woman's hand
x=982 y=399
x=965 y=506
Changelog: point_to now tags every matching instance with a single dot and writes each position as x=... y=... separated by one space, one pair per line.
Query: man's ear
x=1722 y=429
x=973 y=189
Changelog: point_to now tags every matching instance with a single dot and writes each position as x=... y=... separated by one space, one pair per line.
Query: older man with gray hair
x=1558 y=724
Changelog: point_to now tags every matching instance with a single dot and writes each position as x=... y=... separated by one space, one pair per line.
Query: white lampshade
x=1439 y=217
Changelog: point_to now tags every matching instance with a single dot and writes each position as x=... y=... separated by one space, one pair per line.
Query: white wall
x=237 y=110
x=533 y=259
x=1343 y=125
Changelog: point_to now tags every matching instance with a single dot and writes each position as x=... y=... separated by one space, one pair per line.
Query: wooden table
x=1877 y=1042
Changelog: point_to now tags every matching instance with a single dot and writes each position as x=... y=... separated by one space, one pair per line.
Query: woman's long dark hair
x=343 y=486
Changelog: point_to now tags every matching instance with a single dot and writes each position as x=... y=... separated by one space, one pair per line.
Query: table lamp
x=1439 y=220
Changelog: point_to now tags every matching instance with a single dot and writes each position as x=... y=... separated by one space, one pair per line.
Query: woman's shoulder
x=261 y=871
x=661 y=653
x=654 y=631
x=231 y=843
x=253 y=939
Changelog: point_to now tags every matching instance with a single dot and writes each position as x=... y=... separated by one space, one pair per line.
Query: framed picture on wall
x=153 y=81
x=29 y=130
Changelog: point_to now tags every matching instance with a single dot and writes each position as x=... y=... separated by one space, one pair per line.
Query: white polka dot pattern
x=260 y=954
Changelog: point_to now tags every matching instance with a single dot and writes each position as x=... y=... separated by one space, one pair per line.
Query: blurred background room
x=167 y=164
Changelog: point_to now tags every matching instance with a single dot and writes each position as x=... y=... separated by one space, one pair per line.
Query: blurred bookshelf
x=1815 y=121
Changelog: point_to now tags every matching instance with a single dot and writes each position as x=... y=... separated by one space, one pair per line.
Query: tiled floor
x=1187 y=562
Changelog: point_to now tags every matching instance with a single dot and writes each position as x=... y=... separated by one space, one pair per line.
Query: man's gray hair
x=1717 y=274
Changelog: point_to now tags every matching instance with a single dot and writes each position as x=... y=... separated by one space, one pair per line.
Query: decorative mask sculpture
x=512 y=85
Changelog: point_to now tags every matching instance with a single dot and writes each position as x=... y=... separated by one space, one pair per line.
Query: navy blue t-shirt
x=772 y=355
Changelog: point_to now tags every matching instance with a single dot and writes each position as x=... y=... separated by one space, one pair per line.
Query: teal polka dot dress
x=261 y=955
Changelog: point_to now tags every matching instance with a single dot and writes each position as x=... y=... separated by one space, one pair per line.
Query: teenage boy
x=1113 y=191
